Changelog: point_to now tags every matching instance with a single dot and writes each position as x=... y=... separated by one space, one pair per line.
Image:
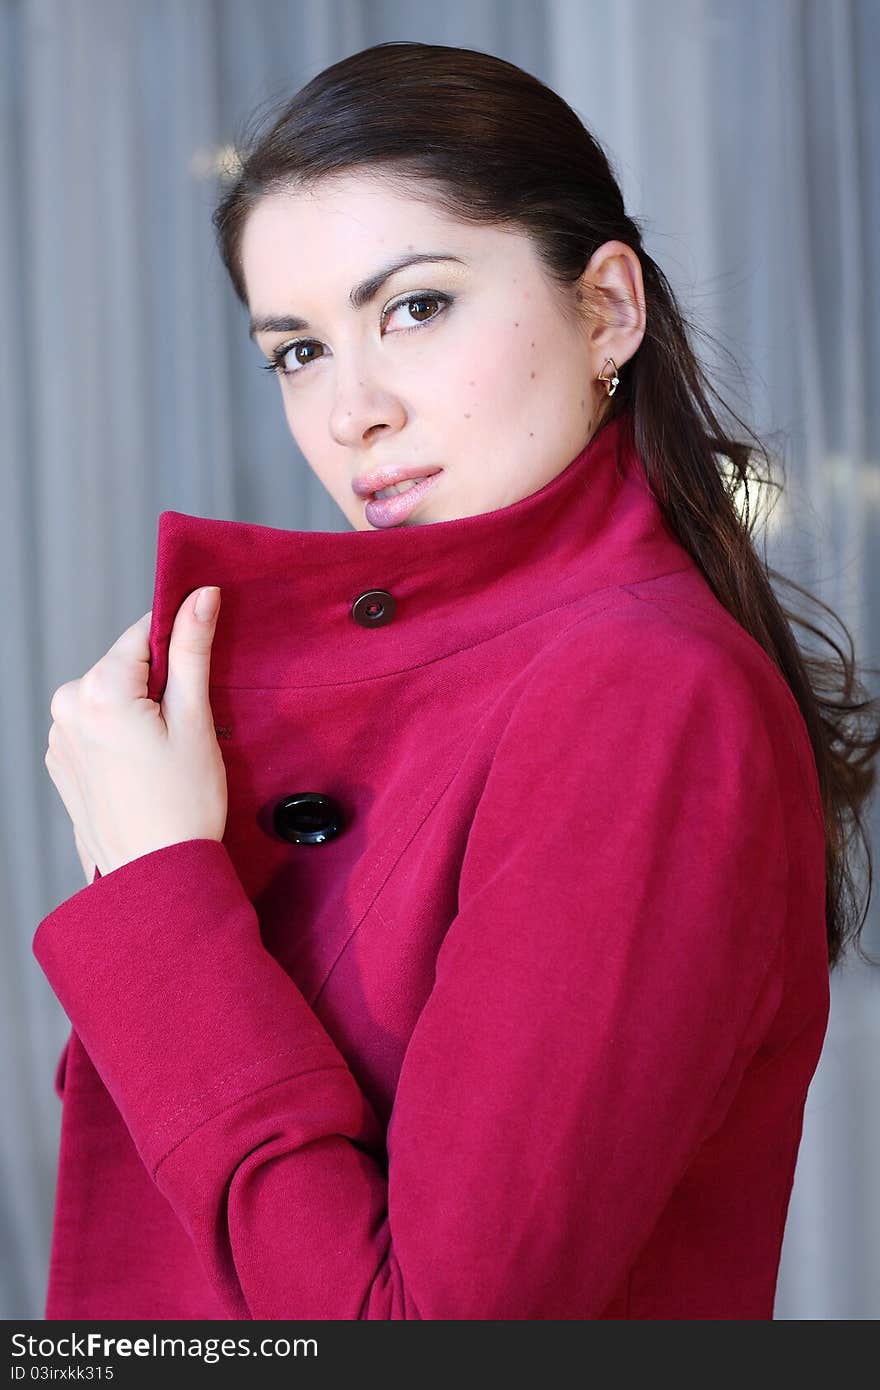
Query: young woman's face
x=467 y=366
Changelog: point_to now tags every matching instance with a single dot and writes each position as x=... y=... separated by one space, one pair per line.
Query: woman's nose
x=362 y=406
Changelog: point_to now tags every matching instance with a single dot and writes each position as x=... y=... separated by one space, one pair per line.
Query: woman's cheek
x=484 y=386
x=307 y=426
x=287 y=403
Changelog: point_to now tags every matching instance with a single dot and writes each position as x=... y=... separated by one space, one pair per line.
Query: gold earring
x=612 y=382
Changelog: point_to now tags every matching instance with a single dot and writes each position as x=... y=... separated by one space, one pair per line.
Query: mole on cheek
x=533 y=374
x=467 y=415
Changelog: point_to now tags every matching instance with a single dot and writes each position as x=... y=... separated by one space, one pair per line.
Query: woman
x=459 y=946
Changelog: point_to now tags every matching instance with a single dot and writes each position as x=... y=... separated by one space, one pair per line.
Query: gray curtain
x=746 y=136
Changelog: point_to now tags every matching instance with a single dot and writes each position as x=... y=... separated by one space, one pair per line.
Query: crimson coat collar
x=288 y=615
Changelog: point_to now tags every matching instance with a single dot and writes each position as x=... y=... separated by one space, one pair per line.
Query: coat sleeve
x=614 y=962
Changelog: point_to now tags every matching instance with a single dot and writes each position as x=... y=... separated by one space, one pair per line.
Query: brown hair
x=489 y=143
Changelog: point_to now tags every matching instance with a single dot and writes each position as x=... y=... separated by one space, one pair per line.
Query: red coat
x=527 y=1030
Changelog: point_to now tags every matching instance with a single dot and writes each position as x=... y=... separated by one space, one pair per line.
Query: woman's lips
x=391 y=511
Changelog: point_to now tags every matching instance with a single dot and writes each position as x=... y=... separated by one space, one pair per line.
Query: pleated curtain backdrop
x=746 y=136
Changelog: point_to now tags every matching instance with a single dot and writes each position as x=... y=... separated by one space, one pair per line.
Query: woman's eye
x=291 y=350
x=414 y=304
x=417 y=302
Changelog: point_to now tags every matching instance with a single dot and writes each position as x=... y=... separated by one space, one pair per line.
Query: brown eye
x=431 y=304
x=296 y=351
x=418 y=302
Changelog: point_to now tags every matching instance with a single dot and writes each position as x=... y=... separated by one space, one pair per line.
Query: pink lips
x=391 y=511
x=369 y=483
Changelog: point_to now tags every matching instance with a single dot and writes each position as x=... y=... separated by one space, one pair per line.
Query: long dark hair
x=489 y=143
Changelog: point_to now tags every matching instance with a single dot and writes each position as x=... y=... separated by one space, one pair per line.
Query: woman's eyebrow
x=360 y=295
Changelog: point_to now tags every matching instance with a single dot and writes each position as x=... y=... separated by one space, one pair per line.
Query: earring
x=612 y=382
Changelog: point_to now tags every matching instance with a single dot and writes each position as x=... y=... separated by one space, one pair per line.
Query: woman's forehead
x=361 y=209
x=351 y=231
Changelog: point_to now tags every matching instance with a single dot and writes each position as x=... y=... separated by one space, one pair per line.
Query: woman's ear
x=613 y=287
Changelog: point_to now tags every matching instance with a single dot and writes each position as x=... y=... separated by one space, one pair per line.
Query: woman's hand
x=135 y=775
x=88 y=863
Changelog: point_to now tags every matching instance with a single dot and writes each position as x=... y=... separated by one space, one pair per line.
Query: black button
x=308 y=818
x=373 y=608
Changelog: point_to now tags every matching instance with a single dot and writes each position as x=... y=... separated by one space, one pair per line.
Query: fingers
x=186 y=692
x=123 y=671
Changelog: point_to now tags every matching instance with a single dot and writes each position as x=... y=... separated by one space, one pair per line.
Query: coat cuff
x=162 y=972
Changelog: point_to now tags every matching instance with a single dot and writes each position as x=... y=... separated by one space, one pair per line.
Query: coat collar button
x=308 y=818
x=373 y=608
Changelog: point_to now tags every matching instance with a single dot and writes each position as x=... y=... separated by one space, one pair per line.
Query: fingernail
x=207 y=603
